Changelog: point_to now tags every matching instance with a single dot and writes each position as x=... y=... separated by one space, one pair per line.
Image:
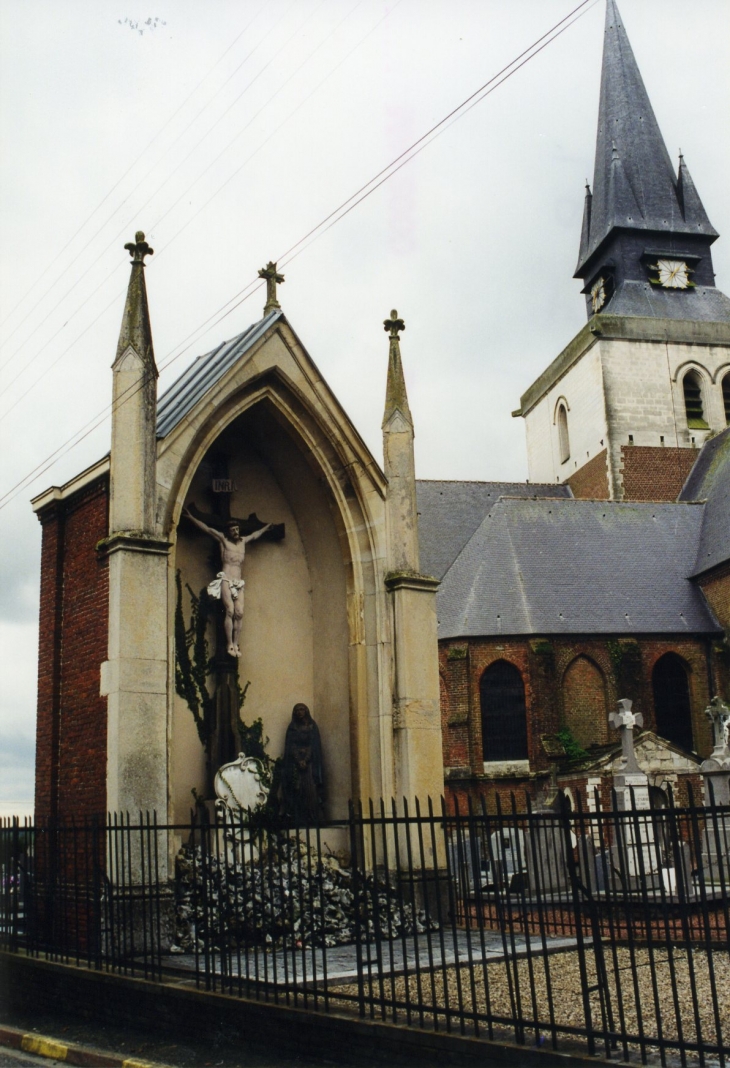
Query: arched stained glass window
x=671 y=700
x=504 y=716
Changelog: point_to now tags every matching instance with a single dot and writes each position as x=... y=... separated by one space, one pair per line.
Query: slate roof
x=633 y=182
x=450 y=512
x=709 y=481
x=203 y=373
x=701 y=303
x=564 y=566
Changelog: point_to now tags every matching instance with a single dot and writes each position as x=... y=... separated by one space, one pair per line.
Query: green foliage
x=192 y=661
x=543 y=648
x=626 y=663
x=573 y=751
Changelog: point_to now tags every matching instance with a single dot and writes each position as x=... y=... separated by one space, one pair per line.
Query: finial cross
x=139 y=248
x=625 y=720
x=270 y=274
x=394 y=325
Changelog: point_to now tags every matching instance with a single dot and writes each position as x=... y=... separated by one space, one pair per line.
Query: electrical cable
x=130 y=220
x=44 y=346
x=79 y=229
x=319 y=230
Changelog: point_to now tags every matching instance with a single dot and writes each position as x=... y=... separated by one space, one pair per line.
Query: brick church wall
x=569 y=681
x=584 y=702
x=651 y=473
x=590 y=482
x=71 y=725
x=715 y=586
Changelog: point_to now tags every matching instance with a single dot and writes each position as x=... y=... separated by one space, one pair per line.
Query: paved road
x=12 y=1058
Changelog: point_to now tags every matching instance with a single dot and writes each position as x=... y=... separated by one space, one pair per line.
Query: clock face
x=673 y=274
x=598 y=294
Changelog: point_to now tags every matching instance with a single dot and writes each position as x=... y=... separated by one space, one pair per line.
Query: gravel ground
x=632 y=993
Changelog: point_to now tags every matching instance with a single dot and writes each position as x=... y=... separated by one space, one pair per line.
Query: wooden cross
x=139 y=248
x=269 y=273
x=394 y=325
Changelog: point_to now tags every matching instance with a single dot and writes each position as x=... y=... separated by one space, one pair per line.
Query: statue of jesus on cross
x=228 y=585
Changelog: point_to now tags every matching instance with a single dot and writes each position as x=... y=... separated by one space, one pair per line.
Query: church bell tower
x=622 y=410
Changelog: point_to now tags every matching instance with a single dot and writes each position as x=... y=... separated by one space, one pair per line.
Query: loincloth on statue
x=234 y=585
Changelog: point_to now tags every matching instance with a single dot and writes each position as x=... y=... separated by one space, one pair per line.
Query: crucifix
x=232 y=535
x=269 y=273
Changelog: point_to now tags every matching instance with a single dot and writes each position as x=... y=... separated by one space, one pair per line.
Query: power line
x=44 y=346
x=28 y=363
x=329 y=221
x=78 y=231
x=128 y=222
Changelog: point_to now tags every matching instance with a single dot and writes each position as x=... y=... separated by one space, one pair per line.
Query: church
x=241 y=552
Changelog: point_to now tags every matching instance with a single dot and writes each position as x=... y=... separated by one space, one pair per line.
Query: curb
x=84 y=1056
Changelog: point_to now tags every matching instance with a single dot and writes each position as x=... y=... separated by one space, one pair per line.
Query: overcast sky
x=226 y=130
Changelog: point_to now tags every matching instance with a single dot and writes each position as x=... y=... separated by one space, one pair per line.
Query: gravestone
x=633 y=852
x=716 y=774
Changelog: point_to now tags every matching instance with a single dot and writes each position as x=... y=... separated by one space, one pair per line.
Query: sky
x=226 y=131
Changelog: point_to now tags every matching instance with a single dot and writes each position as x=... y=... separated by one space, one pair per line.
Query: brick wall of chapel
x=623 y=665
x=71 y=724
x=590 y=482
x=654 y=473
x=715 y=586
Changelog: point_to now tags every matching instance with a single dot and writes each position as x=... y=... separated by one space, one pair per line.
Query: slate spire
x=628 y=131
x=693 y=210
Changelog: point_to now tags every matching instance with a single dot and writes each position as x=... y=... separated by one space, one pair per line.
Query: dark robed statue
x=302 y=774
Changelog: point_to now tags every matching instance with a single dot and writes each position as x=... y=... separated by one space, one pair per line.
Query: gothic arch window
x=726 y=396
x=504 y=715
x=584 y=702
x=692 y=386
x=563 y=438
x=672 y=710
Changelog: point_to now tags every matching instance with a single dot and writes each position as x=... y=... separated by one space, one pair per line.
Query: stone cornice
x=622 y=327
x=54 y=494
x=134 y=541
x=411 y=580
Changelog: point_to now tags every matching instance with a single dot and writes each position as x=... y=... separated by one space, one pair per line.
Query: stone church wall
x=71 y=725
x=581 y=389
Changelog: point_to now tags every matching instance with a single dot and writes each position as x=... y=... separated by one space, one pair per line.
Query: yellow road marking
x=44 y=1047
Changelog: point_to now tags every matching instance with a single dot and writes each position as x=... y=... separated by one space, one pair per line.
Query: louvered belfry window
x=726 y=396
x=693 y=401
x=504 y=716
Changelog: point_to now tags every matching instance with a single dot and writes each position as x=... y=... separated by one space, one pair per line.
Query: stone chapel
x=448 y=637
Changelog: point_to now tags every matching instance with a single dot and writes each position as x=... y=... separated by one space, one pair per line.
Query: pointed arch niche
x=584 y=702
x=504 y=714
x=311 y=624
x=672 y=706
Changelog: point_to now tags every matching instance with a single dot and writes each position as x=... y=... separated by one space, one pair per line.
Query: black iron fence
x=603 y=930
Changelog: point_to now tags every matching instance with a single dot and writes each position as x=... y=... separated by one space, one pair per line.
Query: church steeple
x=640 y=211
